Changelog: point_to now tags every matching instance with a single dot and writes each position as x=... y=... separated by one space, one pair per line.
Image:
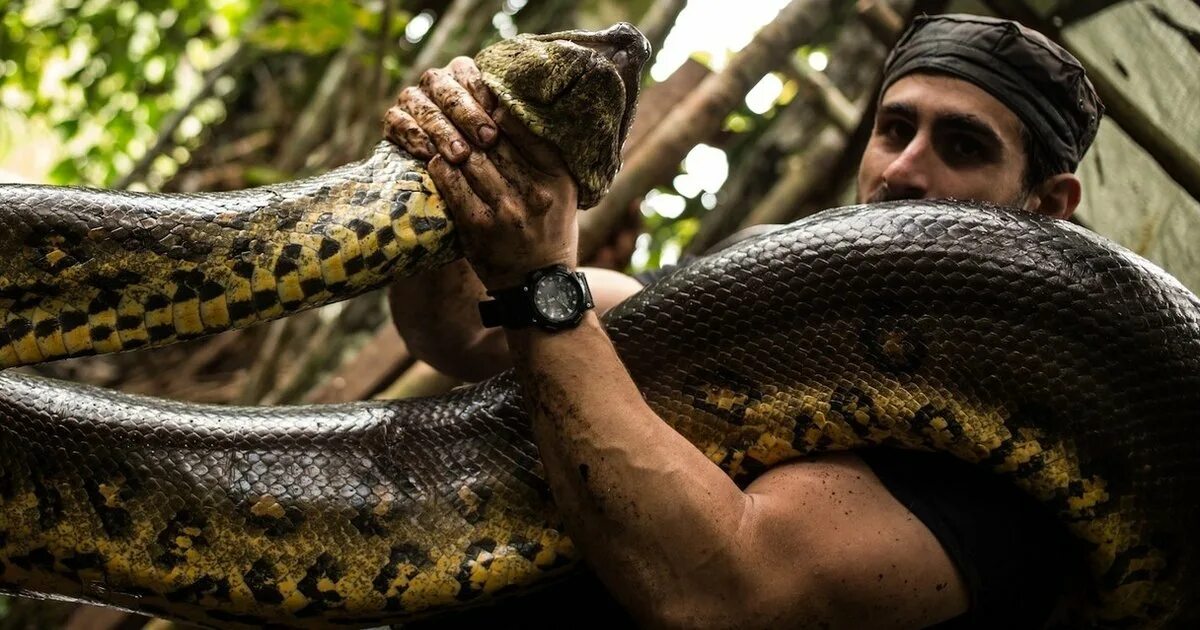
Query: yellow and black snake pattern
x=1027 y=346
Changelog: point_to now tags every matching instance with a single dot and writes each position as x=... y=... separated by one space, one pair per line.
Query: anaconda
x=1027 y=346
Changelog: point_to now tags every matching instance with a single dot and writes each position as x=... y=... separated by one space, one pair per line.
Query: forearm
x=437 y=314
x=653 y=515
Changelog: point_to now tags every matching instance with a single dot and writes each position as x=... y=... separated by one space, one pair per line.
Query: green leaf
x=65 y=172
x=68 y=128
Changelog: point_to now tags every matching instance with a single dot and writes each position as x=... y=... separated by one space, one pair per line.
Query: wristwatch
x=551 y=298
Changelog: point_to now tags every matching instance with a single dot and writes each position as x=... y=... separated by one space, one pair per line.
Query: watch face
x=557 y=297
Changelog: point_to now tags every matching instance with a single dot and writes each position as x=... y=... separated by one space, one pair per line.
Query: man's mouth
x=883 y=193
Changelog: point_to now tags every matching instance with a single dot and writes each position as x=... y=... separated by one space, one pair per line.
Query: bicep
x=829 y=529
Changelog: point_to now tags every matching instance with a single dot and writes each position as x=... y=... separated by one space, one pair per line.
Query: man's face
x=938 y=137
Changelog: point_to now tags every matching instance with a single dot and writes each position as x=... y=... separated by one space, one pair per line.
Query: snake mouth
x=625 y=50
x=548 y=80
x=625 y=47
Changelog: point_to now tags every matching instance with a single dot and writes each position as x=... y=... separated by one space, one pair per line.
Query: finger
x=457 y=102
x=524 y=180
x=488 y=184
x=537 y=152
x=449 y=142
x=403 y=130
x=461 y=202
x=468 y=75
x=459 y=89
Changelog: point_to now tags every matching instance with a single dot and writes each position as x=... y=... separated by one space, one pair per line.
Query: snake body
x=94 y=271
x=1029 y=347
x=88 y=271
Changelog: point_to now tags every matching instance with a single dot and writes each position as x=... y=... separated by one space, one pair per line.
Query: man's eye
x=895 y=130
x=966 y=147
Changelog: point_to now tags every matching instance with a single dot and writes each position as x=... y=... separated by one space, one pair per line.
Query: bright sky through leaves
x=710 y=31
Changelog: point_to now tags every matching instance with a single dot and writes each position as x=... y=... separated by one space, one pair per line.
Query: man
x=971 y=108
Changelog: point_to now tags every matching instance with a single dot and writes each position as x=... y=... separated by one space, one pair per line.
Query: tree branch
x=855 y=57
x=312 y=123
x=434 y=52
x=833 y=103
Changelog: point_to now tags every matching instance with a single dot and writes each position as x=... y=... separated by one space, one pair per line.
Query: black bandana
x=1044 y=85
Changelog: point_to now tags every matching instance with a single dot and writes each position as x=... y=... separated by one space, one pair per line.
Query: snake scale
x=1030 y=347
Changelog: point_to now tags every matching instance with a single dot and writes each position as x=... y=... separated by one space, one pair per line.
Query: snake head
x=575 y=89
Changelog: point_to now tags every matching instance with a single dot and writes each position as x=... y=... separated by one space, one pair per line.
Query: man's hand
x=450 y=110
x=515 y=207
x=510 y=194
x=520 y=184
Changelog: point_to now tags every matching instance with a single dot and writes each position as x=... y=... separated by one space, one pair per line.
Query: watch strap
x=507 y=309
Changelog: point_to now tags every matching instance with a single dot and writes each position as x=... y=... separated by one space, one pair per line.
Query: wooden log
x=801 y=177
x=1167 y=144
x=882 y=20
x=855 y=58
x=834 y=104
x=659 y=99
x=419 y=380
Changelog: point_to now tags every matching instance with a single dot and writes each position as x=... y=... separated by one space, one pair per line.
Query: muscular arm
x=811 y=543
x=668 y=532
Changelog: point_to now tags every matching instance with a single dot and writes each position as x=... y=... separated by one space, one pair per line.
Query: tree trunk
x=803 y=173
x=855 y=58
x=314 y=122
x=702 y=113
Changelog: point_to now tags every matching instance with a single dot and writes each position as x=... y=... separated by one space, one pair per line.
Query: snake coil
x=1030 y=347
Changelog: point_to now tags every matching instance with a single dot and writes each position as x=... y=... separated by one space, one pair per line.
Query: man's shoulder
x=927 y=512
x=838 y=535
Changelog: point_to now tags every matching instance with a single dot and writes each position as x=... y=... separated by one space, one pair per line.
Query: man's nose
x=907 y=176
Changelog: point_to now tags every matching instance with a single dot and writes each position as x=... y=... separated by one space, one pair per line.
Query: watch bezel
x=581 y=307
x=556 y=276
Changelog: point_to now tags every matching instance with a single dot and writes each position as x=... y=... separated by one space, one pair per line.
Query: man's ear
x=1056 y=197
